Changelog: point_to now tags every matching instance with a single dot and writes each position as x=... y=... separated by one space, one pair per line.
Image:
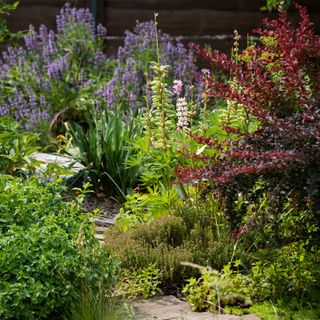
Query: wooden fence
x=204 y=21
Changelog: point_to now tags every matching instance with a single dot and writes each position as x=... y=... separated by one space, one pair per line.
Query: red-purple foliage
x=278 y=82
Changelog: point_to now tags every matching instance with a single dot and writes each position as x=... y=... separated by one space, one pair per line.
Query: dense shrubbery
x=48 y=251
x=261 y=165
x=264 y=165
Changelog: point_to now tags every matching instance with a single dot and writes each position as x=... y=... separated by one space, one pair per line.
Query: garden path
x=172 y=308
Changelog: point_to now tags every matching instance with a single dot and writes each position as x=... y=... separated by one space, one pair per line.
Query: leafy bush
x=217 y=290
x=143 y=207
x=276 y=82
x=16 y=149
x=47 y=251
x=142 y=283
x=288 y=273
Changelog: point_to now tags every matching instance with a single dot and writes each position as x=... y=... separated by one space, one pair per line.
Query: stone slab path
x=172 y=308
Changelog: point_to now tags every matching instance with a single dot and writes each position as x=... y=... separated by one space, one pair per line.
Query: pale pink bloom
x=177 y=87
x=205 y=72
x=182 y=113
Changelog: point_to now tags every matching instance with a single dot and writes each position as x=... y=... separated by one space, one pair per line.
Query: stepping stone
x=99 y=236
x=101 y=229
x=104 y=222
x=172 y=308
x=63 y=161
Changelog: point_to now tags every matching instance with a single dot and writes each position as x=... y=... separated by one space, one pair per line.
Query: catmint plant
x=52 y=71
x=127 y=86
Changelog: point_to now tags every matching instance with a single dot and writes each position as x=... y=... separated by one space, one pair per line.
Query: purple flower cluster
x=69 y=15
x=57 y=67
x=27 y=109
x=40 y=77
x=44 y=41
x=133 y=63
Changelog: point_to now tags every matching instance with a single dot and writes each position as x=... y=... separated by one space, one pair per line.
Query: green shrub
x=132 y=254
x=47 y=250
x=195 y=233
x=209 y=235
x=143 y=207
x=288 y=273
x=216 y=290
x=157 y=242
x=169 y=229
x=16 y=148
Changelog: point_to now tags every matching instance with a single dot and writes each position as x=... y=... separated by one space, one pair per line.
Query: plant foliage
x=276 y=82
x=47 y=251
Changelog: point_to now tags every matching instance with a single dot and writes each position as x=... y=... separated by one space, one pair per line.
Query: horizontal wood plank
x=53 y=3
x=190 y=22
x=22 y=17
x=173 y=4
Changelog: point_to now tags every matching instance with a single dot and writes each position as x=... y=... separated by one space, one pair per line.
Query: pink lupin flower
x=182 y=113
x=177 y=87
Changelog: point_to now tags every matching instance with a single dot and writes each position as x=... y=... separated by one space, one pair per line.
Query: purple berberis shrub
x=52 y=71
x=128 y=85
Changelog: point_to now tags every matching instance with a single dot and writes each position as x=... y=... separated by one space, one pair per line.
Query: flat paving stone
x=172 y=308
x=57 y=158
x=61 y=160
x=104 y=222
